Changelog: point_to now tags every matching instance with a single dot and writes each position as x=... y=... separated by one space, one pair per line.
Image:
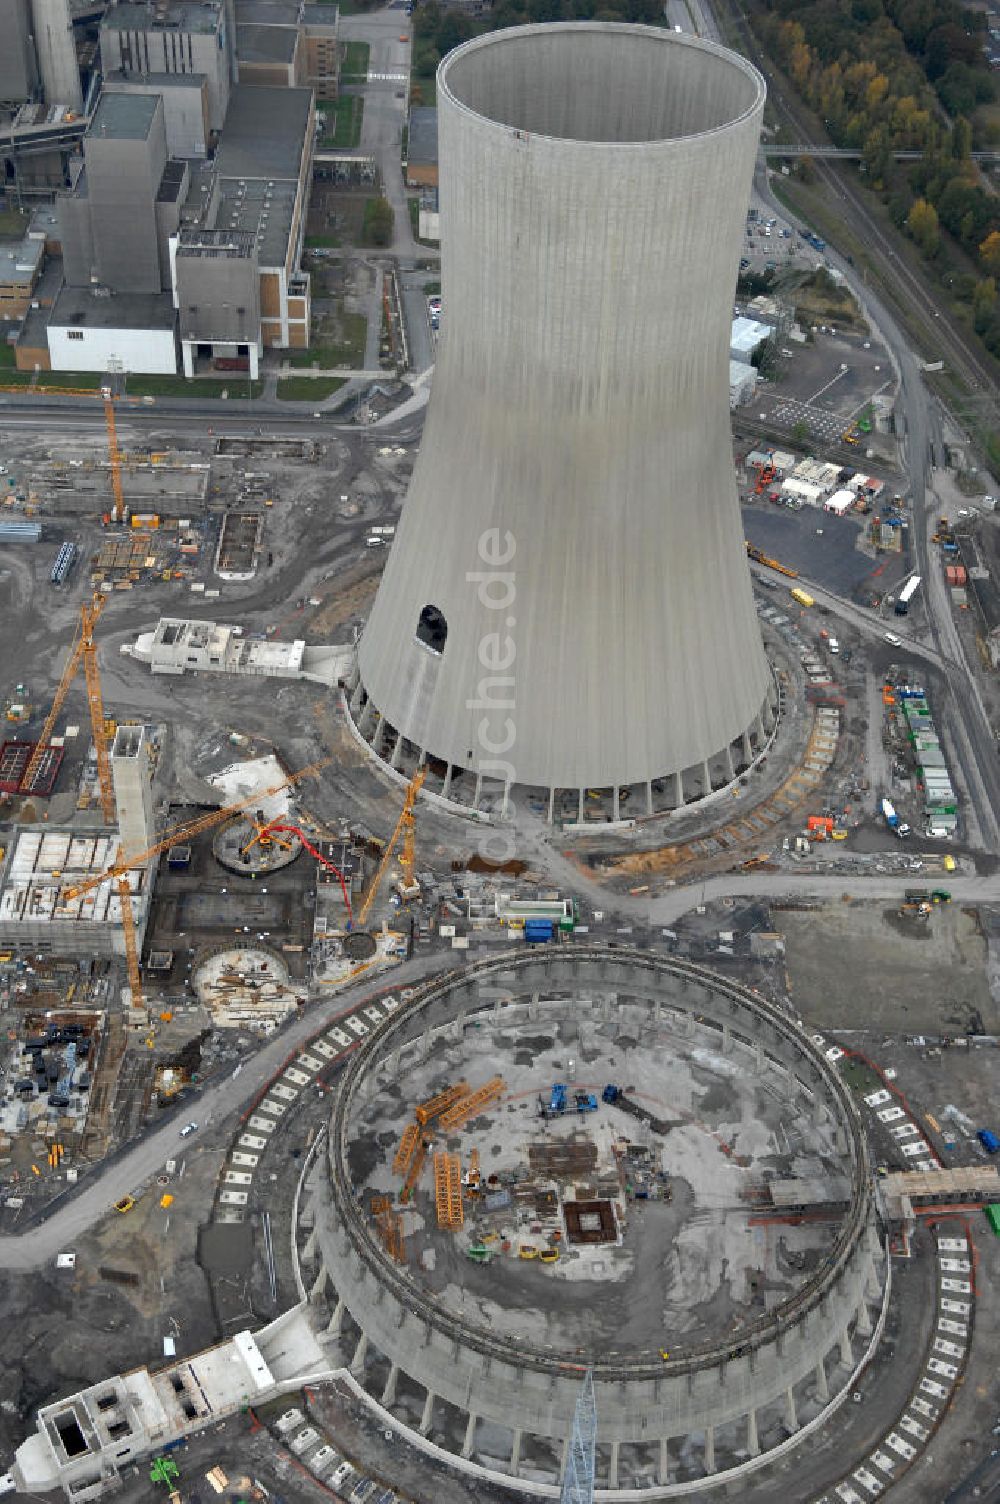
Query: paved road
x=105 y=1185
x=98 y=1193
x=385 y=108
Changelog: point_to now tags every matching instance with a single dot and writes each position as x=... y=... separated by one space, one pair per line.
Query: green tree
x=961 y=139
x=379 y=221
x=984 y=302
x=989 y=253
x=922 y=223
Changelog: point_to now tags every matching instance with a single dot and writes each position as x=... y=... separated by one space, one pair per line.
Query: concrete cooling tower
x=567 y=604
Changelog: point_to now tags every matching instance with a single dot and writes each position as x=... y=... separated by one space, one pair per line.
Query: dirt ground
x=862 y=966
x=136 y=1281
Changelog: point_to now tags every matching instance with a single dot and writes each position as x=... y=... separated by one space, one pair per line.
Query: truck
x=907 y=593
x=898 y=827
x=538 y=931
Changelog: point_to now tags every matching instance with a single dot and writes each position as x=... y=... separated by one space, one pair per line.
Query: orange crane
x=405 y=827
x=189 y=828
x=82 y=650
x=119 y=870
x=109 y=396
x=266 y=833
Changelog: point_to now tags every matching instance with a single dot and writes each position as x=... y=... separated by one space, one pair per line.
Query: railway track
x=900 y=285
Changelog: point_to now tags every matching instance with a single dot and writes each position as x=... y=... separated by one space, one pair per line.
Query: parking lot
x=822 y=547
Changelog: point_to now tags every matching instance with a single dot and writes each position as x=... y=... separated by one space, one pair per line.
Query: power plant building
x=567 y=603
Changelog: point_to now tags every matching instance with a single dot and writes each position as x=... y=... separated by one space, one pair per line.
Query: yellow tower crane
x=405 y=827
x=114 y=454
x=110 y=396
x=176 y=835
x=83 y=649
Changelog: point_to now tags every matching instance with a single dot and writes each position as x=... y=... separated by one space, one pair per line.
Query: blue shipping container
x=538 y=930
x=989 y=1141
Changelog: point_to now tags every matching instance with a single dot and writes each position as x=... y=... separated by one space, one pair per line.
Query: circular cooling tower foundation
x=617 y=1162
x=241 y=847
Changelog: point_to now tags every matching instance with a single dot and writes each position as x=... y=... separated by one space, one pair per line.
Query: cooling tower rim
x=521 y=34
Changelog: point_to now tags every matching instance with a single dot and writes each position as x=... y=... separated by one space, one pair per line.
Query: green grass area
x=432 y=289
x=423 y=90
x=208 y=387
x=377 y=225
x=321 y=242
x=80 y=380
x=7 y=356
x=349 y=351
x=355 y=62
x=348 y=113
x=13 y=222
x=308 y=388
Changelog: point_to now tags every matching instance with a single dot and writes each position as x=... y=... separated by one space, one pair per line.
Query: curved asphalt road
x=77 y=1212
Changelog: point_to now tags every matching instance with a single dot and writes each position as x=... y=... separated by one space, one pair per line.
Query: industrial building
x=746 y=337
x=567 y=603
x=237 y=281
x=83 y=1443
x=42 y=865
x=179 y=646
x=159 y=252
x=742 y=382
x=190 y=38
x=574 y=1233
x=422 y=148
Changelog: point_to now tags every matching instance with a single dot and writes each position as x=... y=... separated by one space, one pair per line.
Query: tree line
x=907 y=75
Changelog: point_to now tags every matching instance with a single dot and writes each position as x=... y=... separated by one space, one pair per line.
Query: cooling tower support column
x=567 y=604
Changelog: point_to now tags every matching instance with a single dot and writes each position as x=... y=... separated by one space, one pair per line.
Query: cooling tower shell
x=572 y=520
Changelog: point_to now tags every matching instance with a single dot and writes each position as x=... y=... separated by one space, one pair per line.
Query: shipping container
x=993 y=1218
x=537 y=931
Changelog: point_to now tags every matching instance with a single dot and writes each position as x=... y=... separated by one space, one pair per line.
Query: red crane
x=276 y=827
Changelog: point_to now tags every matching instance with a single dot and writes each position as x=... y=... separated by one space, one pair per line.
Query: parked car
x=188 y=1129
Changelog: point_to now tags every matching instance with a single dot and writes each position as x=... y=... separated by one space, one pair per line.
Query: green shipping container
x=993 y=1218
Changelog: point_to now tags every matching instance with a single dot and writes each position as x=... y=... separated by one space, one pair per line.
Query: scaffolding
x=473 y=1178
x=390 y=1228
x=578 y=1479
x=408 y=1145
x=436 y=1105
x=468 y=1106
x=448 y=1190
x=413 y=1173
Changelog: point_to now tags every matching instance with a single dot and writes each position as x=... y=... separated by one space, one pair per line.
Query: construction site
x=621 y=1163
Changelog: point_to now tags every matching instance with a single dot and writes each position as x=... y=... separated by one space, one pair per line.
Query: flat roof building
x=257 y=197
x=20 y=268
x=422 y=148
x=181 y=37
x=747 y=336
x=185 y=106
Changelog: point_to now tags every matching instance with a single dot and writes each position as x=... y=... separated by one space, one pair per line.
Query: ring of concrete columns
x=503 y=1404
x=468 y=792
